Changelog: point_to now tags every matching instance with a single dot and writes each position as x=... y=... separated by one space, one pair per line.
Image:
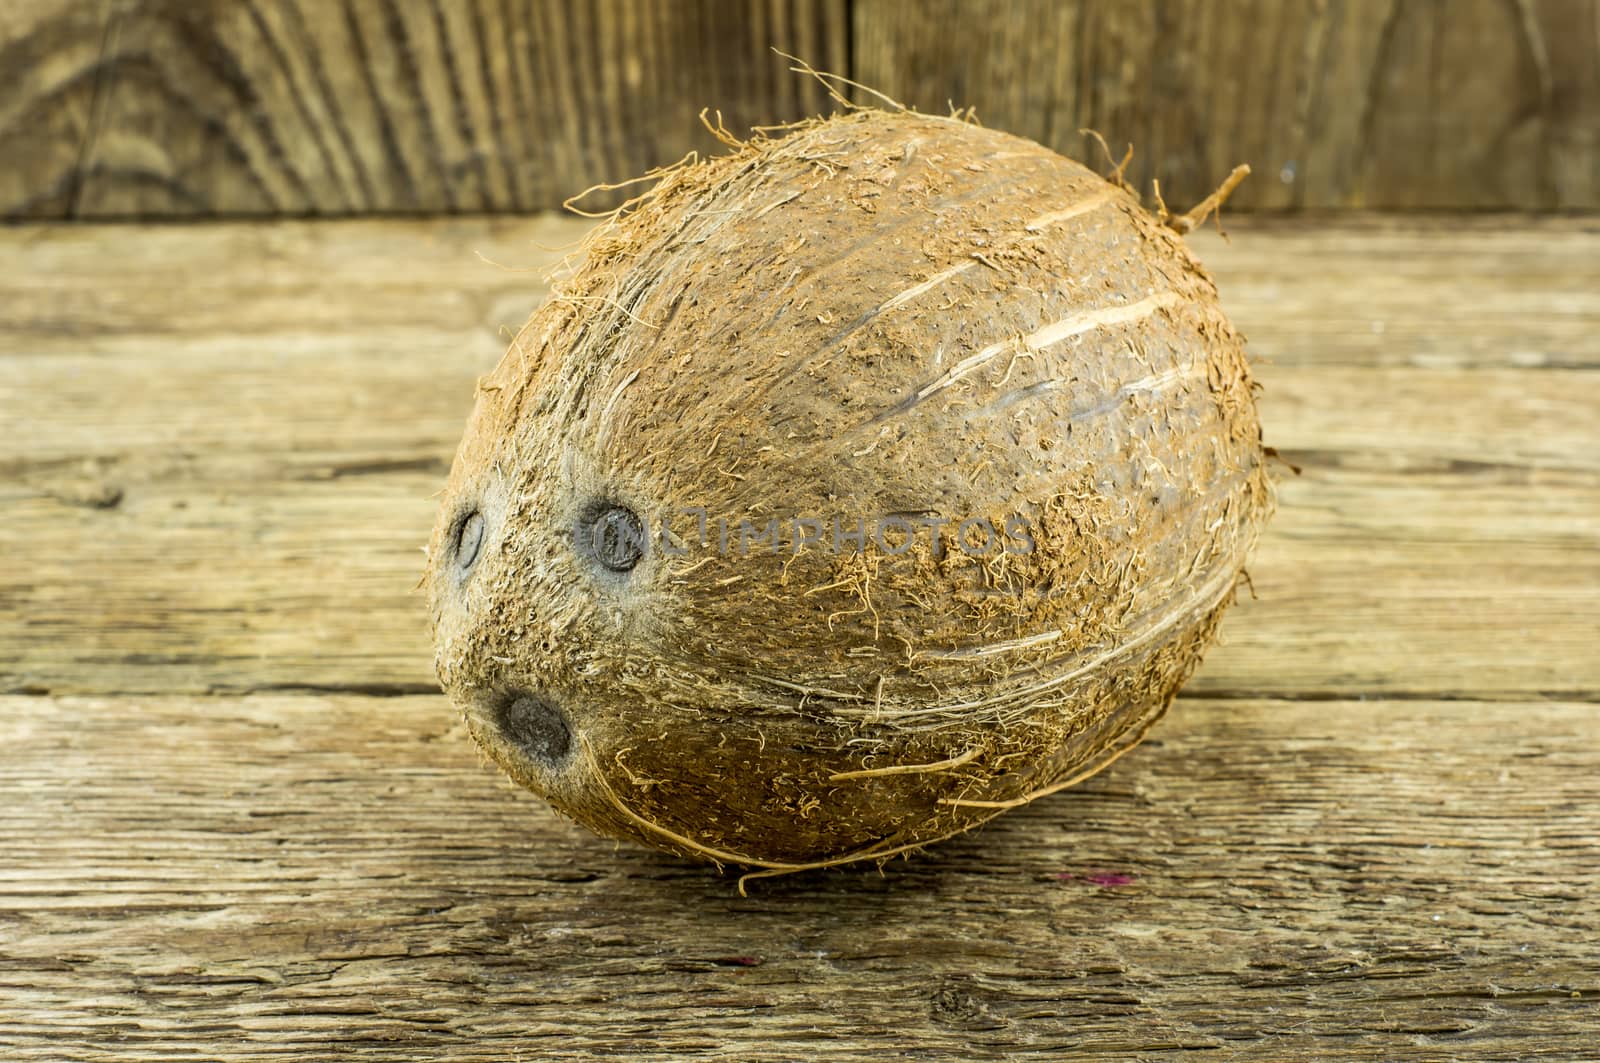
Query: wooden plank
x=293 y=876
x=288 y=107
x=288 y=557
x=50 y=52
x=1371 y=103
x=175 y=108
x=1434 y=292
x=273 y=406
x=233 y=434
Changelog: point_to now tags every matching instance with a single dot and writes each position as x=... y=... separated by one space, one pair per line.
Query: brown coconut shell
x=875 y=316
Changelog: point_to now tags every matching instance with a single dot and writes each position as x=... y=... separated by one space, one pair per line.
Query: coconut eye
x=616 y=537
x=469 y=539
x=534 y=725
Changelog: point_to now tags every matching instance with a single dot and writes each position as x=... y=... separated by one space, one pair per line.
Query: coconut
x=878 y=476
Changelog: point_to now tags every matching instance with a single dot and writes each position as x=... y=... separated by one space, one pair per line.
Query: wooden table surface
x=237 y=819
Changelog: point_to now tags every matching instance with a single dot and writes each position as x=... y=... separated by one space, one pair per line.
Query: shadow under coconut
x=1078 y=832
x=1034 y=891
x=1064 y=912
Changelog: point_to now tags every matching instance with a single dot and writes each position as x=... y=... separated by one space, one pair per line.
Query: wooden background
x=238 y=820
x=203 y=108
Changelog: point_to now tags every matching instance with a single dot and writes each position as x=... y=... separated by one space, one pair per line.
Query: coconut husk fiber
x=874 y=322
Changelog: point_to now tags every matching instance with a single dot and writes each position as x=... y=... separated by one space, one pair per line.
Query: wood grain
x=275 y=405
x=1367 y=103
x=1439 y=292
x=237 y=821
x=304 y=876
x=177 y=108
x=200 y=108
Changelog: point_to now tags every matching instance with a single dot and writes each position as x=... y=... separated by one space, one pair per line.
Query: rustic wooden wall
x=203 y=107
x=155 y=108
x=1337 y=103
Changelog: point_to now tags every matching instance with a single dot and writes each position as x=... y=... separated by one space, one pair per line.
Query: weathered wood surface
x=277 y=404
x=237 y=821
x=310 y=876
x=1367 y=103
x=284 y=107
